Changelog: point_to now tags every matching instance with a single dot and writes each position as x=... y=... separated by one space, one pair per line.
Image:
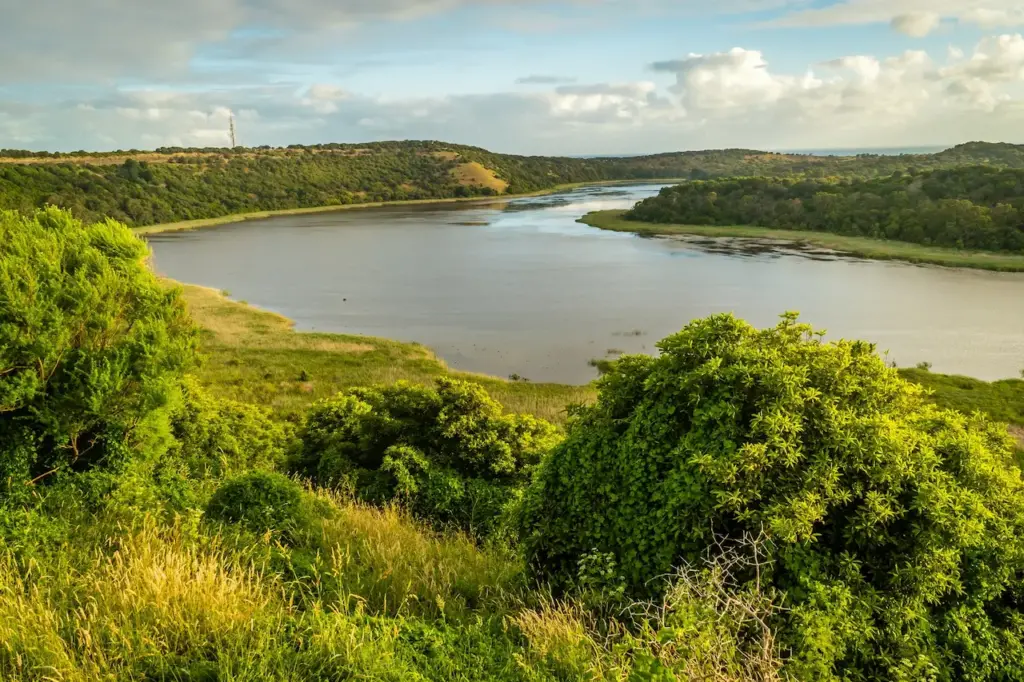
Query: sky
x=577 y=77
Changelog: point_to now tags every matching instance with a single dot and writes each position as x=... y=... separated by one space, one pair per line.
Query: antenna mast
x=231 y=125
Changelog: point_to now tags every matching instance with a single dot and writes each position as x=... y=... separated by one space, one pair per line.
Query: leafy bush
x=217 y=437
x=261 y=501
x=90 y=346
x=895 y=528
x=449 y=453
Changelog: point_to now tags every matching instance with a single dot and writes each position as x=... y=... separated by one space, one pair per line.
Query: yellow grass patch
x=476 y=174
x=237 y=324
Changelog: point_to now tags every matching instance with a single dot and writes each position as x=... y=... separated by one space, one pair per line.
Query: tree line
x=174 y=184
x=972 y=207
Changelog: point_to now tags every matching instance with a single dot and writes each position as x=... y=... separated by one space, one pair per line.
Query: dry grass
x=155 y=596
x=231 y=323
x=477 y=175
x=388 y=564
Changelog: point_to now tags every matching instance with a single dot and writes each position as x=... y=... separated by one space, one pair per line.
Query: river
x=519 y=287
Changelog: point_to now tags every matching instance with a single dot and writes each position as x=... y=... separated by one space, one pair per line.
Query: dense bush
x=216 y=437
x=91 y=345
x=261 y=501
x=449 y=453
x=895 y=529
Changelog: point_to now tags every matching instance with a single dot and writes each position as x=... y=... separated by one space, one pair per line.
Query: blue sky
x=772 y=74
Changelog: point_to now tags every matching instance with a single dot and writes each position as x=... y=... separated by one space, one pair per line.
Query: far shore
x=260 y=215
x=861 y=247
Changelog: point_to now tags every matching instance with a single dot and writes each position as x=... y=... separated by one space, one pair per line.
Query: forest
x=168 y=185
x=969 y=207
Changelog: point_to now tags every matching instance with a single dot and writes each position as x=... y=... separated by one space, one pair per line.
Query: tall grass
x=390 y=600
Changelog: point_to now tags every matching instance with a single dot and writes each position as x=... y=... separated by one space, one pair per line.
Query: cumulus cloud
x=725 y=99
x=735 y=80
x=735 y=97
x=856 y=100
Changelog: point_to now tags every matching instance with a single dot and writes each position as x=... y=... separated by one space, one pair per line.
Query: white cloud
x=323 y=98
x=735 y=80
x=996 y=62
x=916 y=24
x=734 y=98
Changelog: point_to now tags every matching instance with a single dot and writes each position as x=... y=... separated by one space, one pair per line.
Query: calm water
x=520 y=287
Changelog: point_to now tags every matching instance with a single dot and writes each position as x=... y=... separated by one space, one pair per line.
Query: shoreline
x=201 y=223
x=861 y=247
x=258 y=356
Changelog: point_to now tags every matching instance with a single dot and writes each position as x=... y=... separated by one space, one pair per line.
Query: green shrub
x=261 y=501
x=91 y=344
x=217 y=437
x=449 y=453
x=895 y=529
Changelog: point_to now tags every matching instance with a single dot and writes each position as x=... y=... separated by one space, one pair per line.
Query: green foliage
x=449 y=453
x=1001 y=400
x=217 y=437
x=261 y=501
x=598 y=581
x=895 y=528
x=176 y=184
x=91 y=345
x=977 y=207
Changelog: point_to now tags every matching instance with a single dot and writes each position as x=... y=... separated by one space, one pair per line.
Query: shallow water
x=520 y=287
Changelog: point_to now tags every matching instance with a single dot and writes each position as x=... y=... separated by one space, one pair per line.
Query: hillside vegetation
x=193 y=491
x=972 y=207
x=176 y=184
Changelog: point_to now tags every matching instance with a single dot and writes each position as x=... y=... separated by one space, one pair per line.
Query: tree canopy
x=895 y=529
x=449 y=453
x=91 y=344
x=975 y=207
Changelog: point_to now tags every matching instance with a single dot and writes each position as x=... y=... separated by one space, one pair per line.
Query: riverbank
x=261 y=215
x=854 y=246
x=257 y=357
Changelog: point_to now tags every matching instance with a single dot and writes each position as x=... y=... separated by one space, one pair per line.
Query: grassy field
x=256 y=356
x=855 y=246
